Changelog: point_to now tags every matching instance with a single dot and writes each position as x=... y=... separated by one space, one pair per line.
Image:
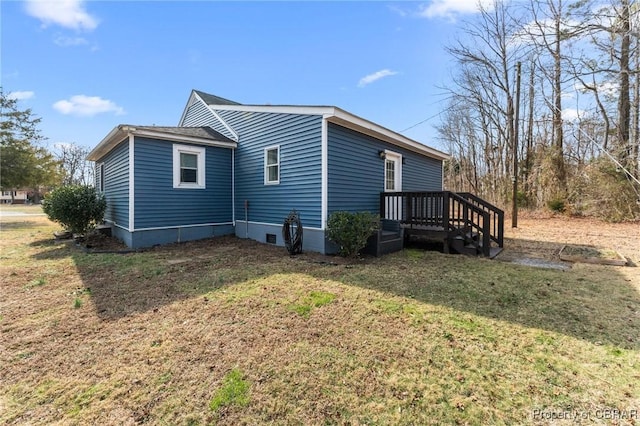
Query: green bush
x=350 y=231
x=557 y=205
x=76 y=207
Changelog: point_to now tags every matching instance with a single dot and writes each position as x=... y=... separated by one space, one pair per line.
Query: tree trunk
x=624 y=102
x=558 y=149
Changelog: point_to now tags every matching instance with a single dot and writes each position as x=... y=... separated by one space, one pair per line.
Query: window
x=188 y=166
x=272 y=165
x=392 y=171
x=101 y=177
x=390 y=175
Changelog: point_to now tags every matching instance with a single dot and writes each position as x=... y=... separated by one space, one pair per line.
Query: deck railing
x=458 y=214
x=497 y=216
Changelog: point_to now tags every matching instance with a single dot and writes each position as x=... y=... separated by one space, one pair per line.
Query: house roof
x=214 y=100
x=332 y=114
x=194 y=135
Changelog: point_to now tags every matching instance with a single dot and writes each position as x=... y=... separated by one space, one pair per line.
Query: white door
x=393 y=183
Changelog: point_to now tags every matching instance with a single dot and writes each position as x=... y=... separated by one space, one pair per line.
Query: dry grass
x=410 y=338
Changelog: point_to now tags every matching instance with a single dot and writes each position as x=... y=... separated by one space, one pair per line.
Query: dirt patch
x=101 y=243
x=543 y=236
x=588 y=254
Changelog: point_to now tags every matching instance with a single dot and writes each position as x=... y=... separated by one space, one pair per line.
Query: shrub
x=604 y=191
x=556 y=205
x=350 y=231
x=76 y=207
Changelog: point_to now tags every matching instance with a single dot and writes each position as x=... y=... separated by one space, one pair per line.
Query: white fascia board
x=192 y=98
x=367 y=127
x=224 y=123
x=180 y=138
x=343 y=118
x=120 y=133
x=114 y=137
x=213 y=112
x=277 y=109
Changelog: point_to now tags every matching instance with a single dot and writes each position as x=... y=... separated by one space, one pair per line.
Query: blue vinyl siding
x=420 y=173
x=356 y=171
x=158 y=204
x=299 y=138
x=116 y=184
x=198 y=114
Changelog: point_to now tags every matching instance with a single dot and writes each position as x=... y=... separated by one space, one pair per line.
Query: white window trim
x=266 y=170
x=397 y=157
x=200 y=152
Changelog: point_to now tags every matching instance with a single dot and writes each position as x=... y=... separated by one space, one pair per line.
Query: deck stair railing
x=463 y=217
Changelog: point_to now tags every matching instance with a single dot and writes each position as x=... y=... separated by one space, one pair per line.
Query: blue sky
x=86 y=66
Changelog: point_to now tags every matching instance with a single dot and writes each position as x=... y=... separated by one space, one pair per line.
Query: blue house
x=231 y=168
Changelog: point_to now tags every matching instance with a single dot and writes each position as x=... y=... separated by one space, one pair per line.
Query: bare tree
x=485 y=59
x=77 y=170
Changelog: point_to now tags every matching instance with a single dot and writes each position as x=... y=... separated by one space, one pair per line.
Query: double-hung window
x=272 y=165
x=188 y=166
x=101 y=177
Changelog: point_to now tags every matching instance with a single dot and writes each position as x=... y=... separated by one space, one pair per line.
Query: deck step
x=389 y=235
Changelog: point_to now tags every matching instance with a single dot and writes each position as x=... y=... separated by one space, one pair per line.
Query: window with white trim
x=101 y=177
x=272 y=165
x=188 y=166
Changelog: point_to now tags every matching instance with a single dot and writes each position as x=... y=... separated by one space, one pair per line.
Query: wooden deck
x=463 y=222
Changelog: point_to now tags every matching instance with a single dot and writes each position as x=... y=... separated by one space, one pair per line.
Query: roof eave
x=353 y=122
x=115 y=136
x=166 y=136
x=121 y=132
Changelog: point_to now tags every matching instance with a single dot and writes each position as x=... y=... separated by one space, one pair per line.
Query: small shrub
x=521 y=199
x=557 y=205
x=234 y=391
x=77 y=303
x=76 y=207
x=350 y=231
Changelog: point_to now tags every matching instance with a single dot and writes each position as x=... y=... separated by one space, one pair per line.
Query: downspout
x=233 y=187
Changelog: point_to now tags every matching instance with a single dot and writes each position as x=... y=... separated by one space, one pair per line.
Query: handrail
x=457 y=213
x=497 y=233
x=473 y=223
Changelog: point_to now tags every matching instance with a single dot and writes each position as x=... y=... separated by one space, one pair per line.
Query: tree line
x=25 y=161
x=545 y=99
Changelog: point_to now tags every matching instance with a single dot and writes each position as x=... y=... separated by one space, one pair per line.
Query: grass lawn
x=228 y=331
x=21 y=208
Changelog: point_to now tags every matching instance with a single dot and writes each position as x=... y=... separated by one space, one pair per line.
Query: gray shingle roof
x=215 y=100
x=198 y=132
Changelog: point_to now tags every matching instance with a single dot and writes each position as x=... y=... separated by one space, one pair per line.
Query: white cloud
x=65 y=41
x=87 y=106
x=66 y=13
x=368 y=79
x=572 y=114
x=451 y=8
x=609 y=88
x=21 y=95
